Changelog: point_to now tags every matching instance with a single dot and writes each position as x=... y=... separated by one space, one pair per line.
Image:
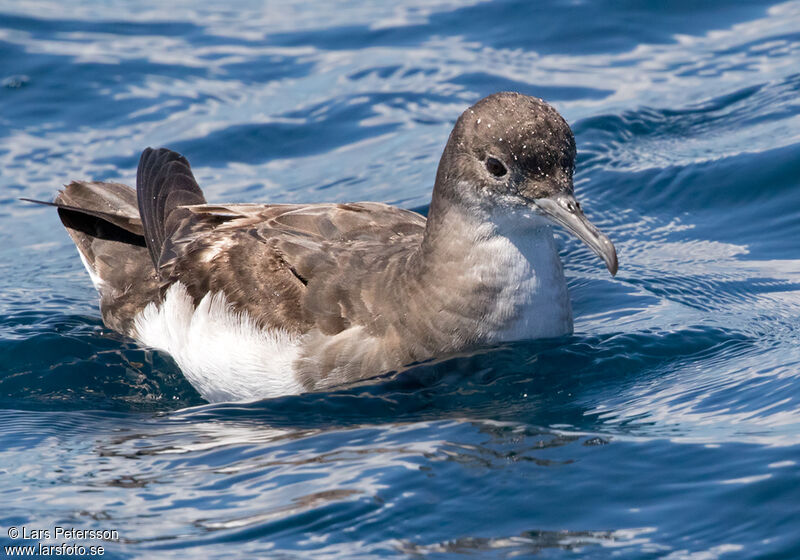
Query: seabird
x=261 y=300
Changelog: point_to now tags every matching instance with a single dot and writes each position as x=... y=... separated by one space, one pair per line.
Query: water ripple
x=676 y=399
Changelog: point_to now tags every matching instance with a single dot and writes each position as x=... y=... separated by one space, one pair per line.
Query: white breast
x=223 y=353
x=533 y=301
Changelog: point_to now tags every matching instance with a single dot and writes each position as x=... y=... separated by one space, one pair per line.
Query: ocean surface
x=668 y=426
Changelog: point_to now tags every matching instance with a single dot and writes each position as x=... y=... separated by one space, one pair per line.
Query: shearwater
x=261 y=300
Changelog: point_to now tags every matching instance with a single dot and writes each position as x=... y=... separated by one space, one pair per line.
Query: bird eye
x=495 y=167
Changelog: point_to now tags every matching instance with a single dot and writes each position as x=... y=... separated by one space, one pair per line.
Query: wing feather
x=293 y=266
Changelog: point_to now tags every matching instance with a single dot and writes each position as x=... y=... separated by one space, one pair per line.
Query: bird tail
x=103 y=221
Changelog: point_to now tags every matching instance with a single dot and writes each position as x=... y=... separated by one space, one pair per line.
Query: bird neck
x=490 y=275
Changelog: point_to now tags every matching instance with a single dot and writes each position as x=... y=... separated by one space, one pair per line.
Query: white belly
x=222 y=353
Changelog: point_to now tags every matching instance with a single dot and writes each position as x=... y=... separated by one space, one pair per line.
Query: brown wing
x=293 y=266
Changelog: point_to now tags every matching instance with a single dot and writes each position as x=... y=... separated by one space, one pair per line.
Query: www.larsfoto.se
x=46 y=549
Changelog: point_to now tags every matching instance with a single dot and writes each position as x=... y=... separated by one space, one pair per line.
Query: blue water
x=668 y=426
